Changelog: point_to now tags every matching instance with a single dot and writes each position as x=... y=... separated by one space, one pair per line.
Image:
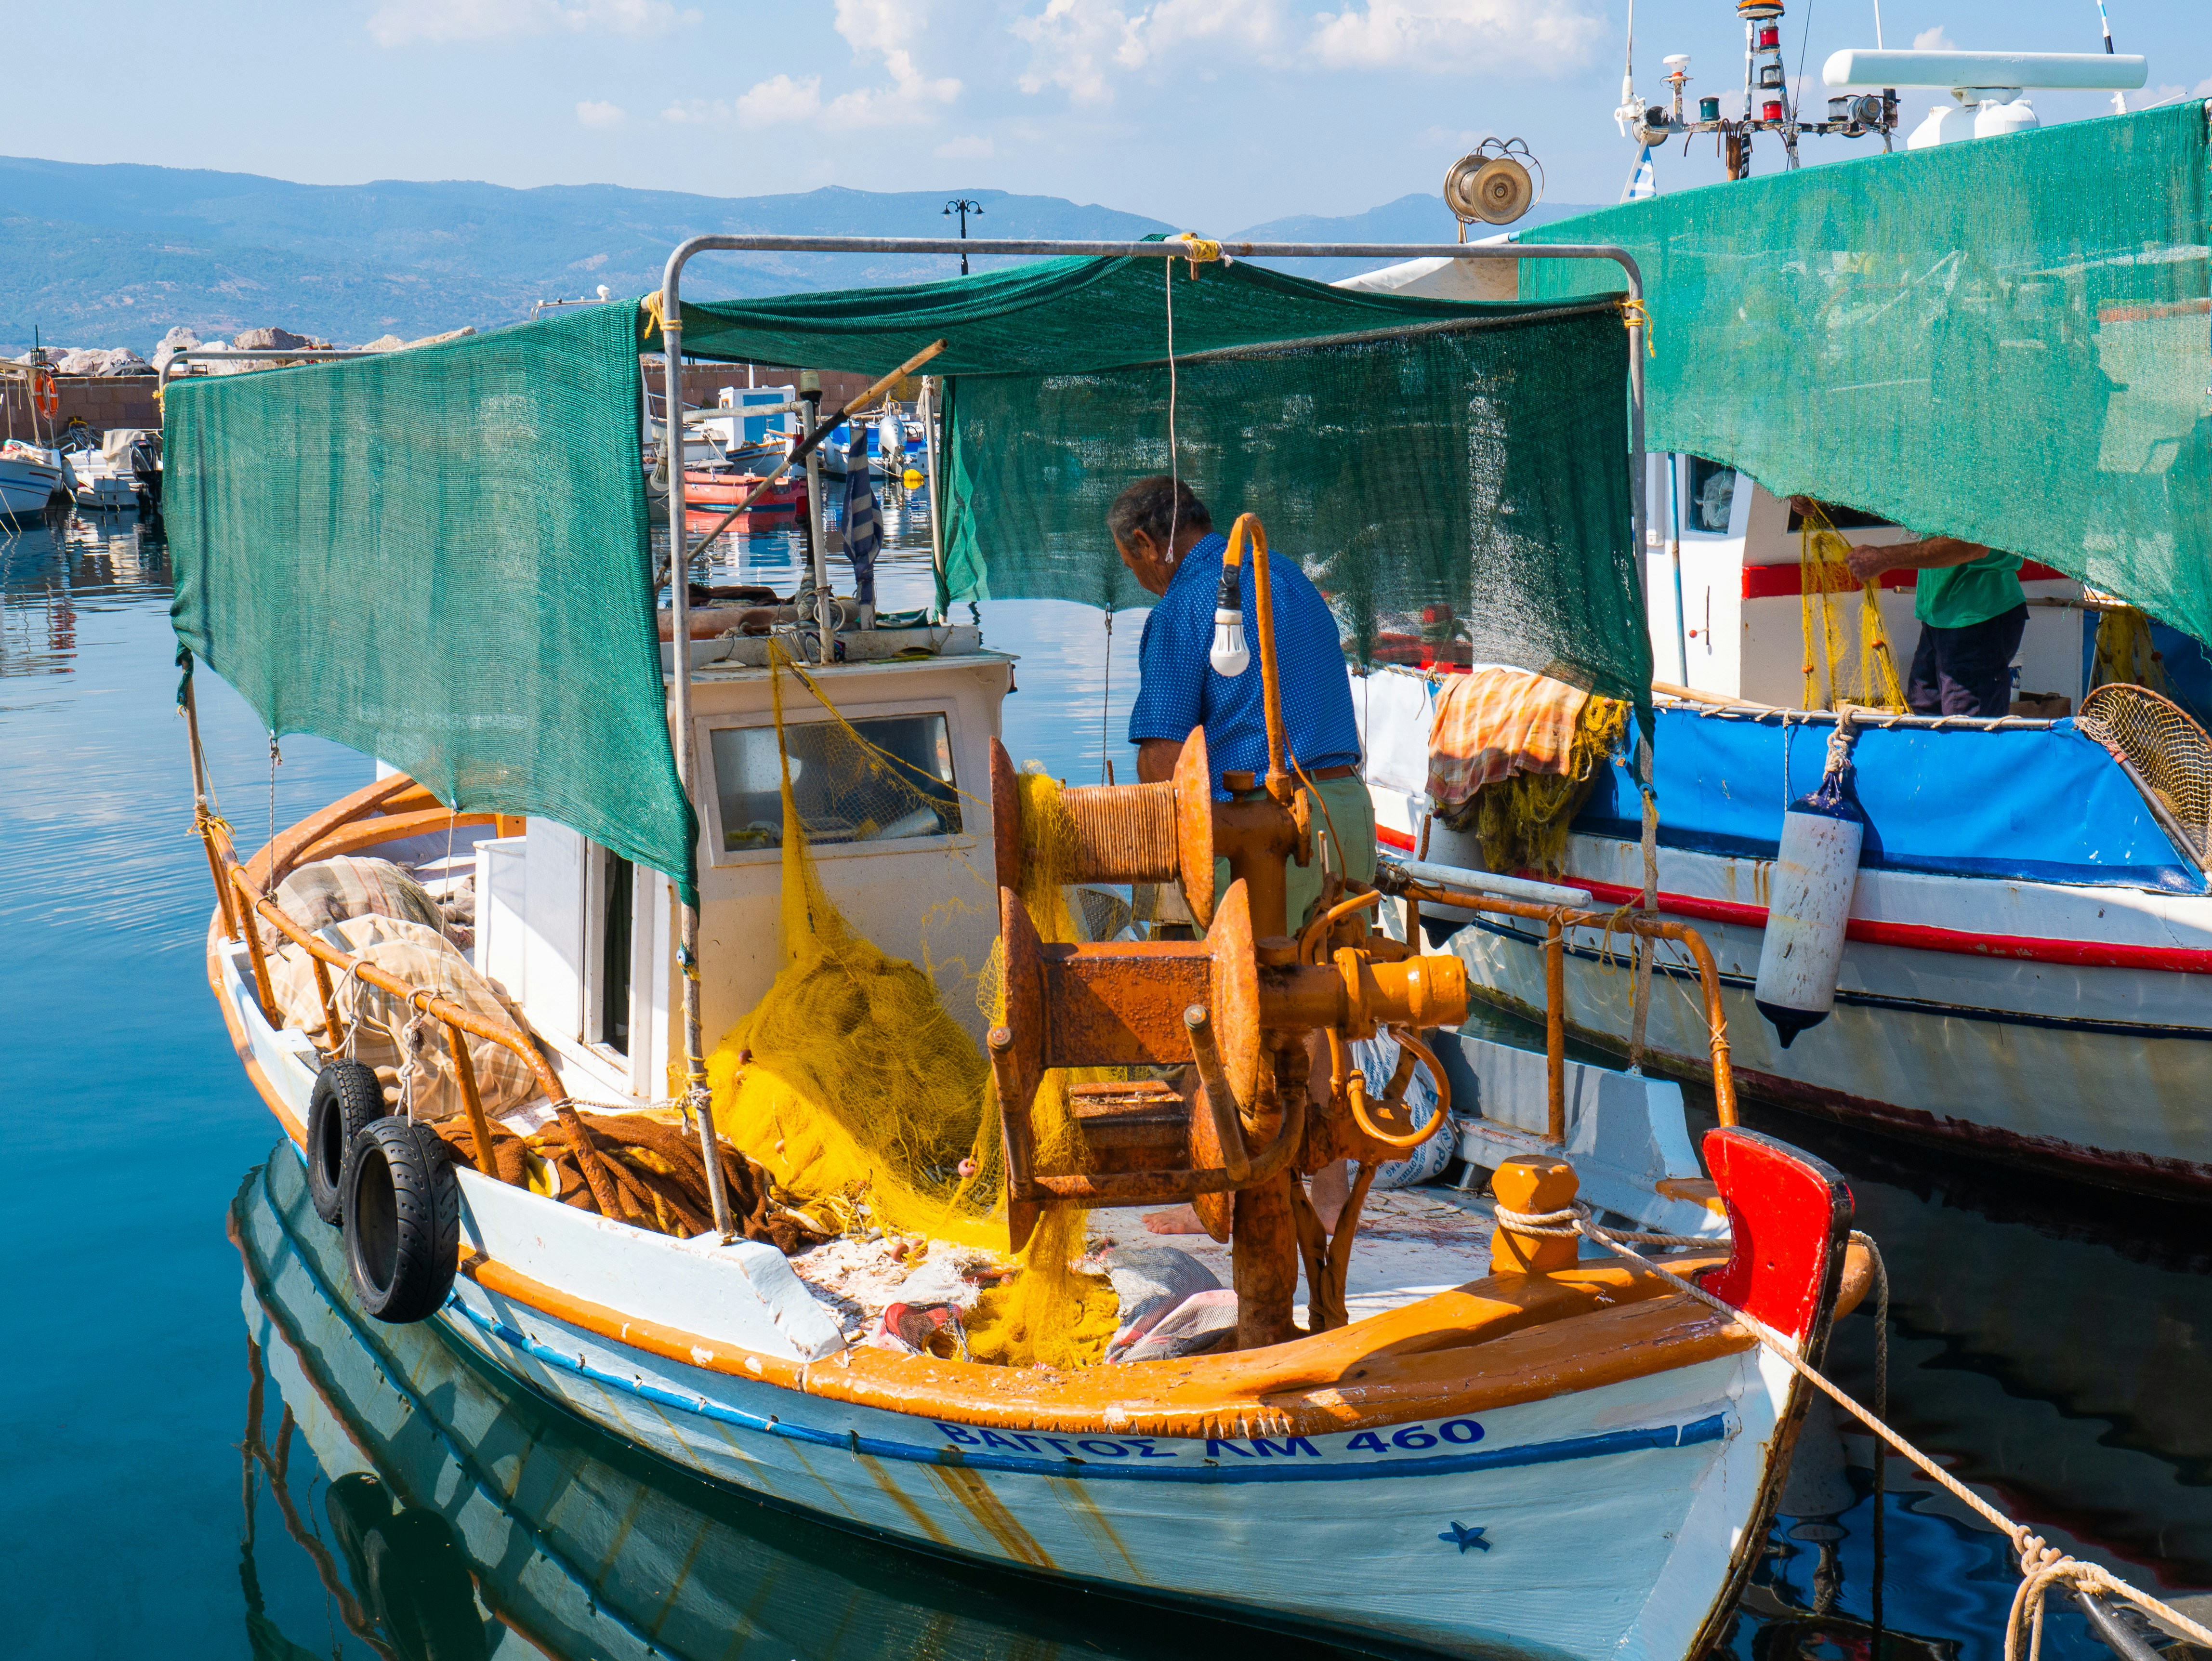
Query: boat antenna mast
x=1768 y=104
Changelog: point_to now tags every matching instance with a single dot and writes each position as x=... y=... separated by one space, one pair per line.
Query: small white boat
x=98 y=485
x=32 y=479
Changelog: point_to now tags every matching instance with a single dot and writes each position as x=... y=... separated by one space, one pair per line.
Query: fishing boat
x=1540 y=1452
x=32 y=480
x=33 y=477
x=2018 y=971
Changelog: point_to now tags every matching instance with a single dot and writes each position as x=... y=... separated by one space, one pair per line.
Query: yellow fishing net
x=1833 y=676
x=1523 y=821
x=870 y=1105
x=2125 y=655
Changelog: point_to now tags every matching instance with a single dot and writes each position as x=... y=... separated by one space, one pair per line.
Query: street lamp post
x=963 y=207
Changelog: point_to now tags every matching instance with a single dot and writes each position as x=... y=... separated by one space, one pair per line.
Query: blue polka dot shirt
x=1181 y=691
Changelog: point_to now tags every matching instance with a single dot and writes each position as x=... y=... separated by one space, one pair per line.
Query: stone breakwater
x=106 y=388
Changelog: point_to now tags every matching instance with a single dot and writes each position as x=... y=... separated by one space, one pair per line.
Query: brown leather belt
x=1321 y=773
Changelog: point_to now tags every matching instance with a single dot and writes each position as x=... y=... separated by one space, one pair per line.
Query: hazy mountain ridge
x=115 y=255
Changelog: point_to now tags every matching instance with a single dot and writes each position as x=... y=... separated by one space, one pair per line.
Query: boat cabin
x=581 y=937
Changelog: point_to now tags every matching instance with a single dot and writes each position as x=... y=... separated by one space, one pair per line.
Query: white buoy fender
x=1815 y=868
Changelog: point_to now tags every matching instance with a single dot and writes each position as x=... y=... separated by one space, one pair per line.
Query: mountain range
x=116 y=255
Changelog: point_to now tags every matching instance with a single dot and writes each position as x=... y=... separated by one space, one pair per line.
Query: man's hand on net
x=1867 y=563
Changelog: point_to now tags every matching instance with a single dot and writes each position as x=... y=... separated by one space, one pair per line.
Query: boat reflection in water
x=453 y=1516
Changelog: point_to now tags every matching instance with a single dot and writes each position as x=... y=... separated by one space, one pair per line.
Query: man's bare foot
x=1181 y=1219
x=1329 y=1189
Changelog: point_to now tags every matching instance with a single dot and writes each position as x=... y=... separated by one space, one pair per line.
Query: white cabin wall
x=652 y=964
x=502 y=913
x=553 y=971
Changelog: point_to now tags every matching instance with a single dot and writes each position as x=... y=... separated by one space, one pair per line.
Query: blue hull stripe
x=1712 y=1428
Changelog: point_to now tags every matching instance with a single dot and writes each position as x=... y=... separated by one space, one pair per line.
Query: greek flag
x=864 y=524
x=1644 y=181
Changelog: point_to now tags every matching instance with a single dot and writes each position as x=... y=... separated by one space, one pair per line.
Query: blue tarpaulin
x=2033 y=805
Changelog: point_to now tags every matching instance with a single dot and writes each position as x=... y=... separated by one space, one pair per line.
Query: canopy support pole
x=697 y=1100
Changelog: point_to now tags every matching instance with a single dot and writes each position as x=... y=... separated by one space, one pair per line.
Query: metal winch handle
x=1352 y=1083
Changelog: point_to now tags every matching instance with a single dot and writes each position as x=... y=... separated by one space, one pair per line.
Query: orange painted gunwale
x=1540 y=1336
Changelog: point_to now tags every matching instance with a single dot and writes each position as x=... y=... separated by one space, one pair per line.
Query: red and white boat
x=2024 y=968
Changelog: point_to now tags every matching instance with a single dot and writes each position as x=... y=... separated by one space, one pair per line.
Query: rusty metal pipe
x=1644 y=923
x=1280 y=783
x=1555 y=1033
x=1221 y=1103
x=464 y=1073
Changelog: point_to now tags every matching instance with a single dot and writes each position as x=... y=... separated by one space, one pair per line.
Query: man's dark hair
x=1160 y=507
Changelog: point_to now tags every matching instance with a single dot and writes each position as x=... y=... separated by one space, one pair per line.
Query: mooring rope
x=2042 y=1565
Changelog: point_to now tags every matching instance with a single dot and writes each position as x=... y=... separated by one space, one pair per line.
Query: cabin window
x=900 y=786
x=1711 y=497
x=618 y=896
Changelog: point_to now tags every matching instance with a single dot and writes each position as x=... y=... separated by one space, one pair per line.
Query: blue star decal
x=1463 y=1536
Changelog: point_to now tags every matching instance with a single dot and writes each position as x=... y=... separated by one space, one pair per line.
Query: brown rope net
x=2169 y=752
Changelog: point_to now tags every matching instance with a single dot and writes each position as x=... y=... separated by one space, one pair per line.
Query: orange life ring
x=46 y=396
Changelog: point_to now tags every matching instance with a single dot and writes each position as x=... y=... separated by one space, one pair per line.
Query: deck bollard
x=1532 y=1185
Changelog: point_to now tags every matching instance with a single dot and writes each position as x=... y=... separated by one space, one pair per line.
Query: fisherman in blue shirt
x=1166 y=538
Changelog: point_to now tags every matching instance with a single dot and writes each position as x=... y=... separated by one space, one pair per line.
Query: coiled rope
x=2042 y=1565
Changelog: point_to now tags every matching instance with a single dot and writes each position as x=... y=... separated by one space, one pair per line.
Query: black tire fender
x=403 y=1218
x=347 y=1097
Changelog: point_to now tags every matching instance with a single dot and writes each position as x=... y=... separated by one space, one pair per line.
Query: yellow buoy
x=911 y=479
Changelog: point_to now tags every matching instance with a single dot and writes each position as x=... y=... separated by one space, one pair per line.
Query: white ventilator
x=1815 y=868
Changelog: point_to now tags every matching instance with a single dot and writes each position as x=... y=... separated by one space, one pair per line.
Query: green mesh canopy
x=1441 y=468
x=439 y=557
x=2007 y=340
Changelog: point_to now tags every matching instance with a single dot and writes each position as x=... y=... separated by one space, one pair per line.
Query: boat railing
x=245 y=894
x=1558 y=917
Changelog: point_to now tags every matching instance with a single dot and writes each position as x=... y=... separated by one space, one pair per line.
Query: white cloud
x=872 y=28
x=969 y=147
x=596 y=113
x=1075 y=44
x=404 y=22
x=1452 y=35
x=1933 y=40
x=779 y=100
x=1080 y=46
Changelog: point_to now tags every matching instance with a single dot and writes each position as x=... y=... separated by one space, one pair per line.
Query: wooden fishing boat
x=1541 y=1454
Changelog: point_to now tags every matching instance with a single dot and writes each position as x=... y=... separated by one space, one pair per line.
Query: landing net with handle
x=853 y=1085
x=2171 y=754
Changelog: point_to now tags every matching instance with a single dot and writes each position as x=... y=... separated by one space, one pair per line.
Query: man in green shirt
x=1971 y=613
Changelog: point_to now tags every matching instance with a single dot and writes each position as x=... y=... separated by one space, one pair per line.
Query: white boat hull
x=2105 y=1070
x=26 y=487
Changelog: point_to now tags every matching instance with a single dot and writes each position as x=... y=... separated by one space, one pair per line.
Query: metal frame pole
x=697 y=1100
x=679 y=531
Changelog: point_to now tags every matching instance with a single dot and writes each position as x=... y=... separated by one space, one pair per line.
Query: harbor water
x=210 y=1453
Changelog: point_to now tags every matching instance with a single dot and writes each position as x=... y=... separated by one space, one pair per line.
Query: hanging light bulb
x=1228 y=655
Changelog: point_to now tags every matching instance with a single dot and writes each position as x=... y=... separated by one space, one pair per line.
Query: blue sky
x=1214 y=114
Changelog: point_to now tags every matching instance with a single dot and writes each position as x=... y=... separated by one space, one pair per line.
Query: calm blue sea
x=160 y=1491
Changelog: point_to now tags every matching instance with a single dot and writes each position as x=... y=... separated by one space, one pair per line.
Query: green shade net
x=439 y=557
x=2007 y=340
x=1441 y=469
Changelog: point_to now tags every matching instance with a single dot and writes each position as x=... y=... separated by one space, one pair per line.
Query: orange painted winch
x=1236 y=1010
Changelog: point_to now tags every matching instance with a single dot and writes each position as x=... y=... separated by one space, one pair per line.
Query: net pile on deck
x=860 y=1094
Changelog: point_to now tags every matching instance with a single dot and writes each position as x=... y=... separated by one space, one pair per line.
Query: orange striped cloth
x=1495 y=723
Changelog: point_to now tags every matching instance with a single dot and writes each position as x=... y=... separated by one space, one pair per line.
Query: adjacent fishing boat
x=2020 y=968
x=817 y=846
